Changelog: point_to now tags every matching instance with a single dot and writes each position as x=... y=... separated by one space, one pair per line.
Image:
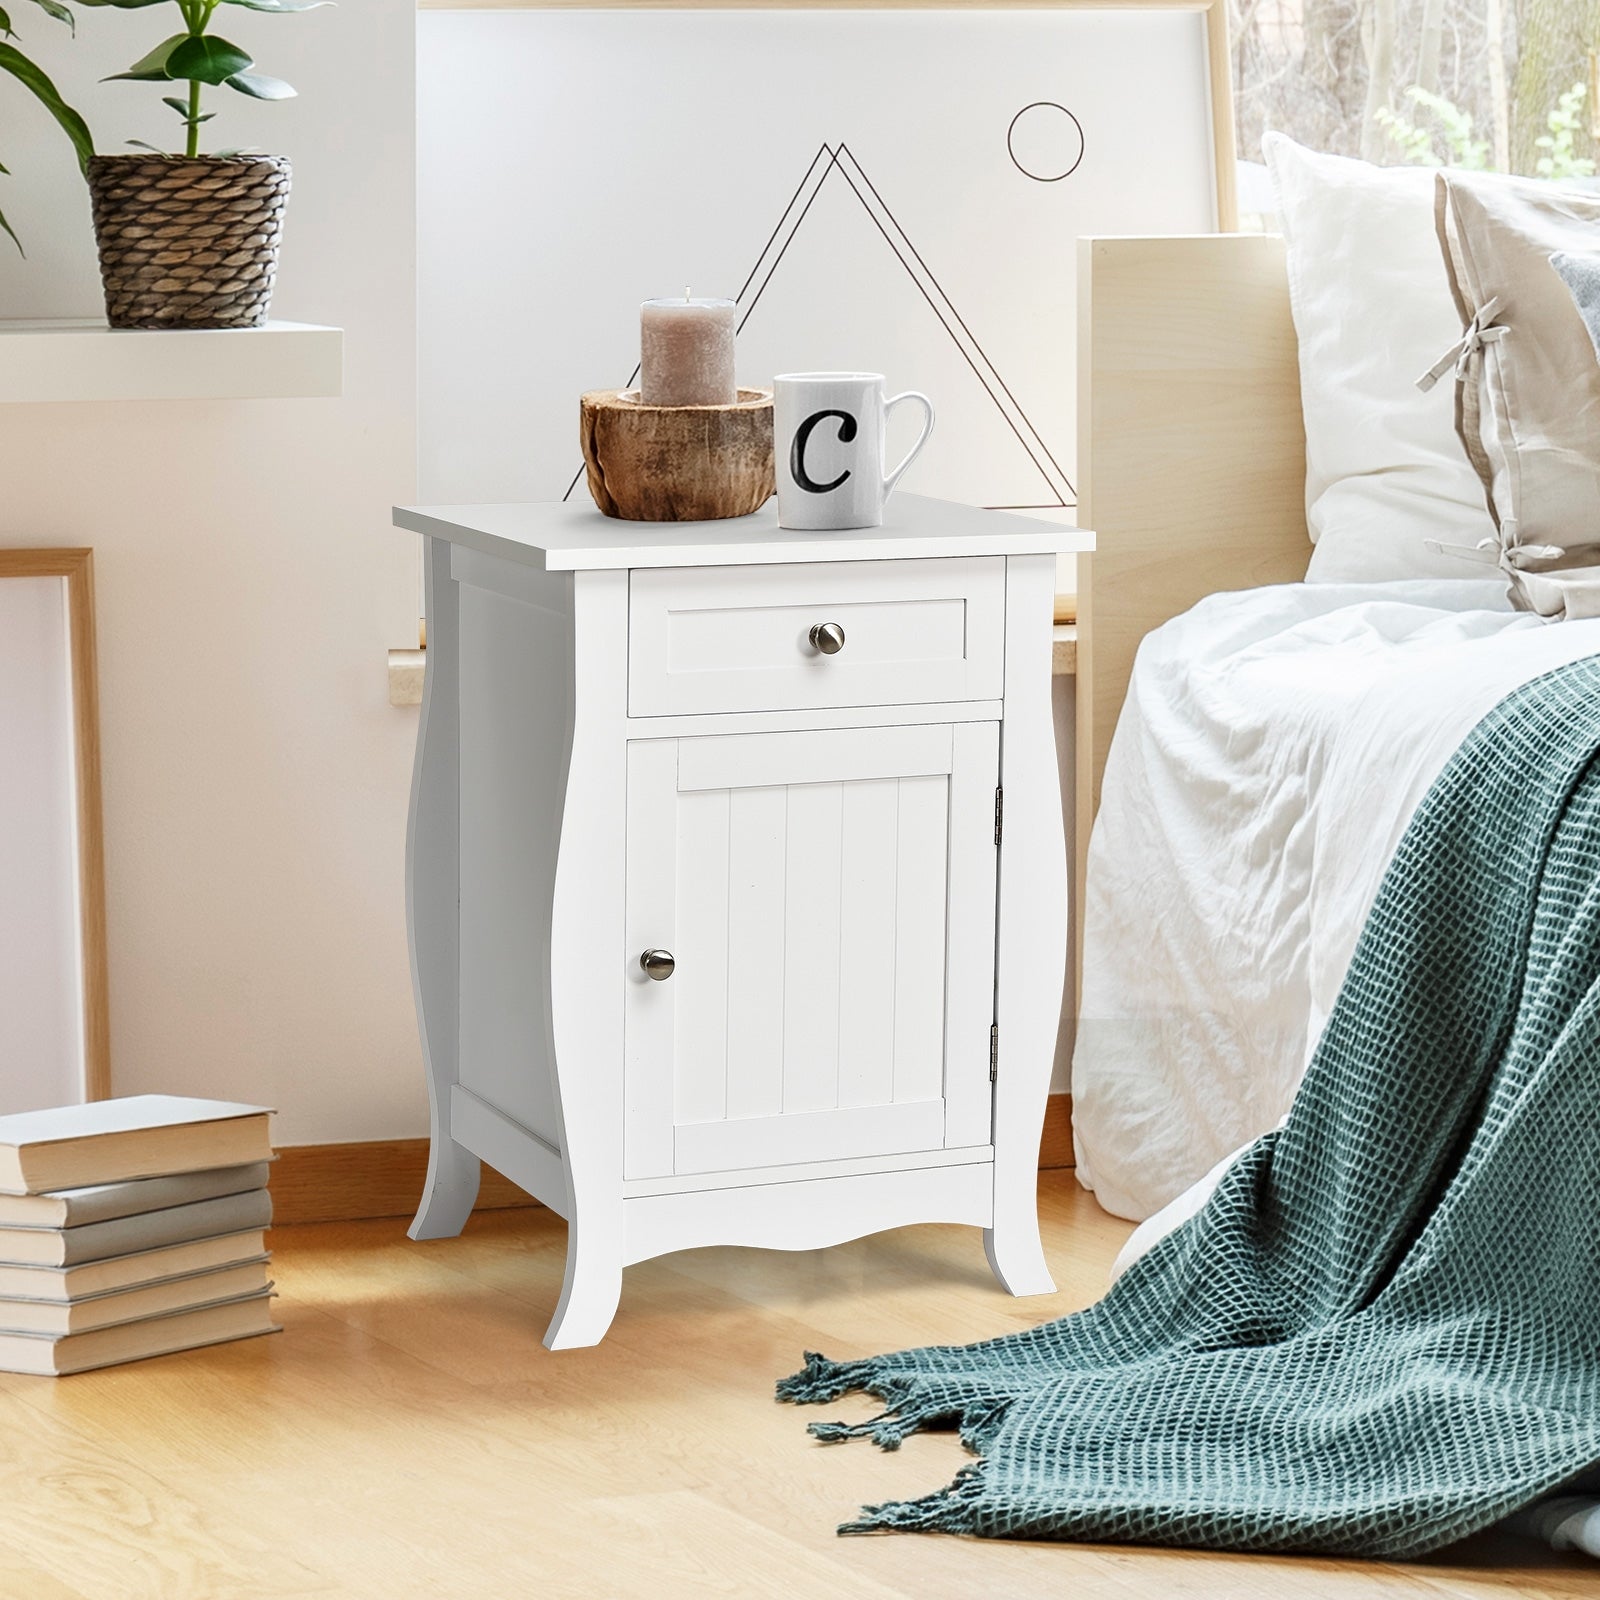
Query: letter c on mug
x=802 y=437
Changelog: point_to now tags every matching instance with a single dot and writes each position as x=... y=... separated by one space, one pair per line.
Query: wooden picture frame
x=75 y=567
x=1219 y=85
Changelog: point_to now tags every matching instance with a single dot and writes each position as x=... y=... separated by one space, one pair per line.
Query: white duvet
x=1274 y=745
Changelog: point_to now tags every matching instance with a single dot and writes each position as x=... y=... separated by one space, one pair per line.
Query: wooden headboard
x=1191 y=452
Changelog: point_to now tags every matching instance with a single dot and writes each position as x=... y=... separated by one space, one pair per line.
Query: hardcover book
x=60 y=1284
x=71 y=1208
x=94 y=1241
x=55 y=1320
x=133 y=1341
x=139 y=1136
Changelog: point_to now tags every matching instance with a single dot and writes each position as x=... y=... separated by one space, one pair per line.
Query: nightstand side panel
x=517 y=692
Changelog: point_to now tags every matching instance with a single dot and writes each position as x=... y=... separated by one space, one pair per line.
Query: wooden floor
x=408 y=1436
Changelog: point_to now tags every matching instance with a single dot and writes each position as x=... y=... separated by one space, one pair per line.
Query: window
x=1506 y=85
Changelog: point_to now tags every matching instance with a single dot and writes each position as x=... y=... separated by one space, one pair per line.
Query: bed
x=1277 y=736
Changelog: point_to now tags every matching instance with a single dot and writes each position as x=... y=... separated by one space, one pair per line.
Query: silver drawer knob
x=828 y=637
x=657 y=964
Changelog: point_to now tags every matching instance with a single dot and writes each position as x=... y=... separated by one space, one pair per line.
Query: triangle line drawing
x=842 y=158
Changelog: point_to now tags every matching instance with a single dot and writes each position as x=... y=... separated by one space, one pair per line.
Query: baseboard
x=384 y=1178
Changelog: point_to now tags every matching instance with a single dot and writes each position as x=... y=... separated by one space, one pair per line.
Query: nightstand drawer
x=802 y=637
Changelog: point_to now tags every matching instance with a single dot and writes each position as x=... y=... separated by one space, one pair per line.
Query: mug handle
x=922 y=439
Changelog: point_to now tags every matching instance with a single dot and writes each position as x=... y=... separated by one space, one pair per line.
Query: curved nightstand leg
x=450 y=1191
x=589 y=1292
x=1016 y=1257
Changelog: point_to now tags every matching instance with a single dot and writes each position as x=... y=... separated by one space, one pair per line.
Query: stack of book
x=131 y=1228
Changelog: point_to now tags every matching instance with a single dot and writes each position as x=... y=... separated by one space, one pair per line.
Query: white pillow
x=1385 y=470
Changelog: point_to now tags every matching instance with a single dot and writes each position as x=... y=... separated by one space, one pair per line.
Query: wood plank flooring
x=408 y=1436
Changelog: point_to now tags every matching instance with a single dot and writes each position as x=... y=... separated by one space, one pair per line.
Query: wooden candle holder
x=677 y=463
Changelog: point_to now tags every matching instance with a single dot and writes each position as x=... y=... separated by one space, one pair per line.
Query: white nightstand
x=737 y=885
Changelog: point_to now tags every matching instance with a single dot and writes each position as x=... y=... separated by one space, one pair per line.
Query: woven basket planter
x=188 y=243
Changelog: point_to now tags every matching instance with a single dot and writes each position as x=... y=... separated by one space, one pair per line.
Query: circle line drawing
x=1047 y=127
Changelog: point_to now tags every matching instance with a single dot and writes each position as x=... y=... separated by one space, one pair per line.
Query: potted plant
x=191 y=240
x=28 y=73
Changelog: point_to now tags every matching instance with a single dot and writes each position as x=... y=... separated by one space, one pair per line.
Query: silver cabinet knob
x=828 y=637
x=657 y=964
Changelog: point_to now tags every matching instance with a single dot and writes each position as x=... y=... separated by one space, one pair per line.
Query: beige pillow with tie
x=1528 y=381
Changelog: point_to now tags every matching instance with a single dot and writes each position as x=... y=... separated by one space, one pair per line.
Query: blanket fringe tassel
x=821 y=1379
x=947 y=1510
x=913 y=1406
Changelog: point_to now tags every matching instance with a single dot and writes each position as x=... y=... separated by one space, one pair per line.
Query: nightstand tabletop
x=560 y=536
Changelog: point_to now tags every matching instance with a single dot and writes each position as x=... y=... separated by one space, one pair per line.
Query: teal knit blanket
x=1383 y=1331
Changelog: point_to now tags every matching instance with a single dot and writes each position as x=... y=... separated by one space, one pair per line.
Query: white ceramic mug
x=829 y=432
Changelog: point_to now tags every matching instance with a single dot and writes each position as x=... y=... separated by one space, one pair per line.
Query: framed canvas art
x=893 y=190
x=54 y=1031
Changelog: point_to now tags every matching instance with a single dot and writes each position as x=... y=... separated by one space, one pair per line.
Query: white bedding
x=1274 y=745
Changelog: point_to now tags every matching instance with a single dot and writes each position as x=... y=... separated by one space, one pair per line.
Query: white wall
x=249 y=586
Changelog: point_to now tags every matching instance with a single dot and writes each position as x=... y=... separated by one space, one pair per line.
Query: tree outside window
x=1502 y=85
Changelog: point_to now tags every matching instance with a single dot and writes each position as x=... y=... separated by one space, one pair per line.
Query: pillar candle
x=686 y=352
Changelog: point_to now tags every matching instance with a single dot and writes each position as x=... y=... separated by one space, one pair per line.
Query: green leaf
x=123 y=5
x=45 y=92
x=5 y=24
x=182 y=108
x=206 y=59
x=260 y=87
x=153 y=67
x=54 y=8
x=278 y=5
x=144 y=144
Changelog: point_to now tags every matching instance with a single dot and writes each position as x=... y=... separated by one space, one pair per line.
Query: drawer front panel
x=739 y=638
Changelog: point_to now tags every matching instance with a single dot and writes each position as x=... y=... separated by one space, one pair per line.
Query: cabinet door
x=829 y=902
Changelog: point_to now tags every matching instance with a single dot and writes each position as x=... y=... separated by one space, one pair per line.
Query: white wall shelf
x=86 y=360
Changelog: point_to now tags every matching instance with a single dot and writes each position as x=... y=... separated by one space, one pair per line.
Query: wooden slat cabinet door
x=828 y=899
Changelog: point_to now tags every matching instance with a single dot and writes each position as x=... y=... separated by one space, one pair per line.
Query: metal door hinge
x=999 y=813
x=994 y=1050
